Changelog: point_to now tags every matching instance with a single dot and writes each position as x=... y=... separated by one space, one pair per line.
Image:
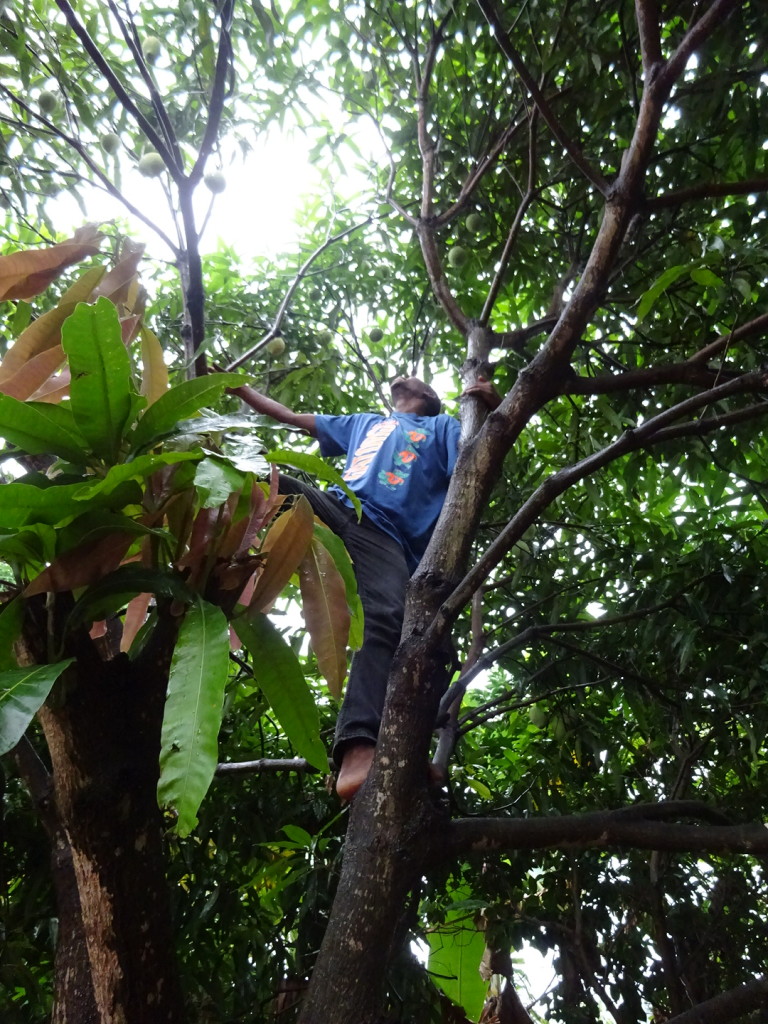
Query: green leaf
x=21 y=503
x=705 y=276
x=317 y=467
x=193 y=710
x=456 y=950
x=40 y=428
x=54 y=504
x=163 y=416
x=278 y=674
x=31 y=547
x=22 y=692
x=101 y=391
x=659 y=286
x=215 y=480
x=137 y=469
x=116 y=590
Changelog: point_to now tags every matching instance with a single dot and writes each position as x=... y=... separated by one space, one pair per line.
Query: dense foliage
x=621 y=634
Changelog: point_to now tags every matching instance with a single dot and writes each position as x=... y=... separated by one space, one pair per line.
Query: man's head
x=411 y=394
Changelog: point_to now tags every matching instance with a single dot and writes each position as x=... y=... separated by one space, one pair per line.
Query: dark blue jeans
x=382 y=575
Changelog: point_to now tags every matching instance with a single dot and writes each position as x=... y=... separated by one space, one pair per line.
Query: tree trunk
x=103 y=734
x=395 y=825
x=73 y=999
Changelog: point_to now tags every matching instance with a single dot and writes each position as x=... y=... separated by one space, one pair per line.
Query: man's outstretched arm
x=276 y=410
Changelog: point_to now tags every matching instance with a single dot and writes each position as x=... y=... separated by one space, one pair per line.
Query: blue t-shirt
x=398 y=466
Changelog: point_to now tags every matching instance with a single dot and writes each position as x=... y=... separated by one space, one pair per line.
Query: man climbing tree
x=399 y=466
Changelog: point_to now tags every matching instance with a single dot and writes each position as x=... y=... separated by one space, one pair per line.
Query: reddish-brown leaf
x=33 y=374
x=117 y=284
x=25 y=274
x=83 y=565
x=285 y=545
x=325 y=610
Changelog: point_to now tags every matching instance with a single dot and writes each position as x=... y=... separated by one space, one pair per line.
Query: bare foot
x=355 y=765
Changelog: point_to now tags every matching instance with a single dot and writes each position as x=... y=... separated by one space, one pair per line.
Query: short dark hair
x=432 y=404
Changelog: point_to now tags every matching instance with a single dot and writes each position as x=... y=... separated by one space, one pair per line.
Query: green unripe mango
x=110 y=143
x=276 y=346
x=151 y=47
x=47 y=101
x=457 y=256
x=215 y=182
x=151 y=165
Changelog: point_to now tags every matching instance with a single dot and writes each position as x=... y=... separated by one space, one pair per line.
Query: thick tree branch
x=697 y=34
x=727 y=1006
x=532 y=633
x=700 y=427
x=425 y=231
x=134 y=45
x=483 y=166
x=642 y=436
x=426 y=144
x=707 y=190
x=642 y=827
x=757 y=326
x=426 y=225
x=647 y=15
x=688 y=372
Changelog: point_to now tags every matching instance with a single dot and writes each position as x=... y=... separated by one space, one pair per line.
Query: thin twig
x=274 y=330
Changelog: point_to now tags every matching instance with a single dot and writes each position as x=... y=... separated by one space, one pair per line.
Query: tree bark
x=103 y=733
x=73 y=990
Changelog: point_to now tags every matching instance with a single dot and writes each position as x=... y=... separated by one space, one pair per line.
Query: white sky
x=255 y=214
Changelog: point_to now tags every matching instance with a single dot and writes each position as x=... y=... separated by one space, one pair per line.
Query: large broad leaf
x=100 y=552
x=278 y=674
x=101 y=391
x=113 y=592
x=317 y=467
x=24 y=274
x=55 y=504
x=193 y=710
x=326 y=613
x=22 y=503
x=659 y=286
x=120 y=284
x=285 y=545
x=215 y=480
x=184 y=400
x=456 y=950
x=22 y=692
x=338 y=551
x=137 y=469
x=41 y=429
